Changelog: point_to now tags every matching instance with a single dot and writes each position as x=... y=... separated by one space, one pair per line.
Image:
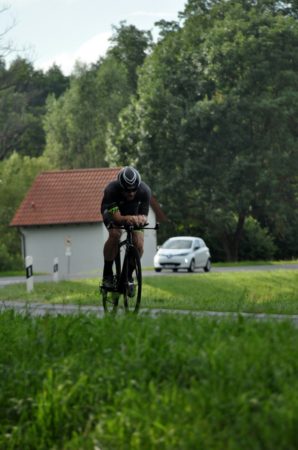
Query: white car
x=183 y=252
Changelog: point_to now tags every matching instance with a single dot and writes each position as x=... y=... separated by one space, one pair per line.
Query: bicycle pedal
x=131 y=289
x=109 y=288
x=110 y=284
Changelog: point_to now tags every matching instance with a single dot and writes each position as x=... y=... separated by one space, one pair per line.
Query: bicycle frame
x=128 y=279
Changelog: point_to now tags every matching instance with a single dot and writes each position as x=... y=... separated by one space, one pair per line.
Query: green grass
x=12 y=273
x=254 y=263
x=245 y=263
x=133 y=383
x=173 y=382
x=258 y=292
x=17 y=273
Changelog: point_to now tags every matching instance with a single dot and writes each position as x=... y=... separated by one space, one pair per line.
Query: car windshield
x=177 y=244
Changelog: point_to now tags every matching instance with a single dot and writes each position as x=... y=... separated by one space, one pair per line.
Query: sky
x=66 y=31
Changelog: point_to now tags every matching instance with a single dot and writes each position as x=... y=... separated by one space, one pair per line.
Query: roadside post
x=67 y=243
x=56 y=269
x=29 y=273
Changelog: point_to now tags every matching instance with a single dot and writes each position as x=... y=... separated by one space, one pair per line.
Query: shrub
x=9 y=261
x=257 y=243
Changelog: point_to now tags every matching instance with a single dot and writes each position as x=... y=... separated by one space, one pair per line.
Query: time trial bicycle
x=127 y=279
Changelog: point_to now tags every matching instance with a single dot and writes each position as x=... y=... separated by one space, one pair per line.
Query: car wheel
x=157 y=270
x=175 y=270
x=192 y=266
x=207 y=268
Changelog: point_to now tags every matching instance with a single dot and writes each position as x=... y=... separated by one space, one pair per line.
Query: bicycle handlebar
x=133 y=227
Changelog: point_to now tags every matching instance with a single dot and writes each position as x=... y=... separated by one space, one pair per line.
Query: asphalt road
x=42 y=309
x=4 y=281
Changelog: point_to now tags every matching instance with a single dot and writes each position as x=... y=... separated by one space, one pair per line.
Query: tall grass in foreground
x=258 y=292
x=135 y=383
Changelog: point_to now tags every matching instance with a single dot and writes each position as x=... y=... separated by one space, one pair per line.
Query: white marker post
x=67 y=243
x=29 y=273
x=56 y=269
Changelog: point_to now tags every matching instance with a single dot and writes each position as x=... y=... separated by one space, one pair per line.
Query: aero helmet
x=129 y=178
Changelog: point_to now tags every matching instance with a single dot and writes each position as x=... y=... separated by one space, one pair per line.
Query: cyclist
x=125 y=201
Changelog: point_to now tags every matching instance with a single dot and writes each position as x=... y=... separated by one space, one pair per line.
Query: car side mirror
x=197 y=247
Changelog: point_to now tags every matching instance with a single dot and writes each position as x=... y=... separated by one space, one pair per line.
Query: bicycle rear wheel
x=132 y=281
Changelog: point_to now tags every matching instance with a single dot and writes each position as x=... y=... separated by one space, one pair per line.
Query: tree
x=217 y=118
x=23 y=94
x=250 y=121
x=13 y=120
x=130 y=47
x=16 y=175
x=55 y=82
x=78 y=124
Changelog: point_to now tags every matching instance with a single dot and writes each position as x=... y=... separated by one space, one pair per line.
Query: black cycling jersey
x=114 y=200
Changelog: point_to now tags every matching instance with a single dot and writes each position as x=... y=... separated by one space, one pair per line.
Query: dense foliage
x=23 y=93
x=208 y=114
x=77 y=124
x=214 y=129
x=16 y=175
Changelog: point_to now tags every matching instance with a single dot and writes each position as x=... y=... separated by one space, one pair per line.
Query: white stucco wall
x=86 y=246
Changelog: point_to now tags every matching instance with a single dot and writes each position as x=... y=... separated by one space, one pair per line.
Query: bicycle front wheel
x=132 y=282
x=110 y=300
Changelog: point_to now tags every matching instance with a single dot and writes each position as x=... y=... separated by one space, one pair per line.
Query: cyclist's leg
x=109 y=293
x=138 y=241
x=110 y=249
x=110 y=297
x=110 y=252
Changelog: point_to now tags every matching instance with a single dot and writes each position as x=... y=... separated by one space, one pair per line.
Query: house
x=60 y=218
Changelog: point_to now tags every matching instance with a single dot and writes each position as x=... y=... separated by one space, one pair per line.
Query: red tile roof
x=68 y=196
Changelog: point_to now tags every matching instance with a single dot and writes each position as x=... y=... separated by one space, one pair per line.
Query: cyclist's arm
x=112 y=213
x=142 y=217
x=131 y=220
